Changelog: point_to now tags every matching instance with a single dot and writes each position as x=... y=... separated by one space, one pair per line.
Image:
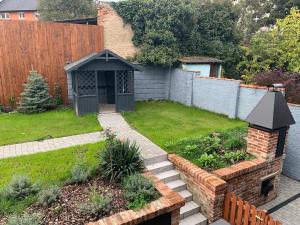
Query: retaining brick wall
x=170 y=203
x=208 y=190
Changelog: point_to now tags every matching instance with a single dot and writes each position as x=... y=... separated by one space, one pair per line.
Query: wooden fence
x=45 y=47
x=239 y=212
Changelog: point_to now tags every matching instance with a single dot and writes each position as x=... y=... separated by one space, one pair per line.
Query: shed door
x=87 y=97
x=124 y=90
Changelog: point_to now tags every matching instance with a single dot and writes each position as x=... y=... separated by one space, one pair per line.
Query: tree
x=276 y=48
x=66 y=9
x=35 y=97
x=168 y=29
x=255 y=14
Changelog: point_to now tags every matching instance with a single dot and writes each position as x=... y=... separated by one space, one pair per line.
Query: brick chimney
x=268 y=126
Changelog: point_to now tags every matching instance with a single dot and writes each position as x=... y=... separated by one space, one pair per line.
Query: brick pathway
x=290 y=213
x=49 y=145
x=150 y=152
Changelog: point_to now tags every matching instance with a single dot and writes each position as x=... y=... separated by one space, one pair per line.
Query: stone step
x=168 y=176
x=149 y=160
x=177 y=185
x=190 y=208
x=196 y=219
x=188 y=196
x=160 y=167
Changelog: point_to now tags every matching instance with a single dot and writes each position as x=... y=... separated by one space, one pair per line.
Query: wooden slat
x=246 y=215
x=233 y=209
x=226 y=207
x=45 y=46
x=239 y=216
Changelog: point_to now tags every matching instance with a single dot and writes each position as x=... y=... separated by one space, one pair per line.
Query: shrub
x=139 y=190
x=80 y=173
x=19 y=187
x=98 y=205
x=1 y=108
x=119 y=159
x=12 y=102
x=49 y=196
x=291 y=81
x=35 y=97
x=25 y=219
x=57 y=95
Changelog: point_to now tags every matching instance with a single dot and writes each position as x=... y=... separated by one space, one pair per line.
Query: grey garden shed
x=101 y=80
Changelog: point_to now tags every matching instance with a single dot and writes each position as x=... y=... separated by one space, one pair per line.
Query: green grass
x=45 y=168
x=18 y=128
x=164 y=122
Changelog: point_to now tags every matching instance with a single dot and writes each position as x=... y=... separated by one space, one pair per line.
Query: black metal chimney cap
x=272 y=112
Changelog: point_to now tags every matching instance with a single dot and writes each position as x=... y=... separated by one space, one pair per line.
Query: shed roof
x=18 y=5
x=199 y=59
x=105 y=55
x=272 y=112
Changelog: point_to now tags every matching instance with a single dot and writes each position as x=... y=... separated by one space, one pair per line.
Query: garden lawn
x=49 y=168
x=167 y=122
x=18 y=128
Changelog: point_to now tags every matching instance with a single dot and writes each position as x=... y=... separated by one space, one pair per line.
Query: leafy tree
x=276 y=48
x=255 y=14
x=35 y=97
x=66 y=9
x=168 y=29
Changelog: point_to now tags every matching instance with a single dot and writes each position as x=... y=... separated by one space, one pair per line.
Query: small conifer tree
x=35 y=97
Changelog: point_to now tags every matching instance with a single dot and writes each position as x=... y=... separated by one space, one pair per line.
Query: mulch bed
x=66 y=210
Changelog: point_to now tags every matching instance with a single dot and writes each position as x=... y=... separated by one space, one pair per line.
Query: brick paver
x=117 y=124
x=49 y=145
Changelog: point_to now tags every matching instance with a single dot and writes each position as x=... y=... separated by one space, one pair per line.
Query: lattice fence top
x=86 y=82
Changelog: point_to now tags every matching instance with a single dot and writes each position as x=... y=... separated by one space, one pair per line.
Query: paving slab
x=27 y=148
x=150 y=152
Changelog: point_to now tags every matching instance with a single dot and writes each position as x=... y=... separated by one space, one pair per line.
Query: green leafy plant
x=19 y=187
x=49 y=196
x=12 y=101
x=35 y=97
x=98 y=205
x=57 y=95
x=24 y=219
x=119 y=159
x=80 y=173
x=139 y=190
x=1 y=108
x=138 y=203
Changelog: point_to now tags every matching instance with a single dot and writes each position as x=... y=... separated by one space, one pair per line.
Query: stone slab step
x=149 y=160
x=168 y=176
x=190 y=208
x=160 y=167
x=177 y=185
x=196 y=219
x=188 y=196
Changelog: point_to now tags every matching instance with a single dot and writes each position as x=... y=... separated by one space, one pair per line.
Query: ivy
x=168 y=29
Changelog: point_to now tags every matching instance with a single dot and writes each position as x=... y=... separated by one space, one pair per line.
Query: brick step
x=190 y=208
x=160 y=167
x=196 y=219
x=177 y=185
x=188 y=196
x=168 y=176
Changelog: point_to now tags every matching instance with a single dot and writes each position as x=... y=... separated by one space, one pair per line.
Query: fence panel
x=240 y=212
x=45 y=47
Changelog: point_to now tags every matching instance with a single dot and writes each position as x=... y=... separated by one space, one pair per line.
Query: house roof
x=105 y=54
x=199 y=59
x=18 y=5
x=272 y=112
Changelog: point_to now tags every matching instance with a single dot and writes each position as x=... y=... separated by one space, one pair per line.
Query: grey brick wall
x=248 y=99
x=180 y=86
x=150 y=83
x=215 y=95
x=291 y=166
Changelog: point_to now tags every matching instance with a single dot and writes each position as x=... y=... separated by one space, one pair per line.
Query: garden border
x=170 y=202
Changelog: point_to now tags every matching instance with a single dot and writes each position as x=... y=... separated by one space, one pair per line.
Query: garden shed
x=101 y=80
